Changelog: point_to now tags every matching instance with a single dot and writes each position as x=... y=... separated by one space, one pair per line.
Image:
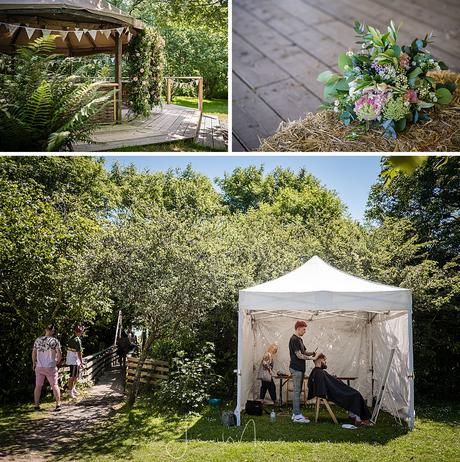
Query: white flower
x=352 y=87
x=138 y=54
x=435 y=99
x=349 y=53
x=135 y=79
x=363 y=46
x=141 y=69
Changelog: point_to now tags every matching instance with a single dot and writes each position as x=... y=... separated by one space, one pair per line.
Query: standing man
x=46 y=355
x=299 y=355
x=74 y=359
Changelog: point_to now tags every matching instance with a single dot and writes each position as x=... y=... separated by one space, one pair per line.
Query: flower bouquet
x=384 y=84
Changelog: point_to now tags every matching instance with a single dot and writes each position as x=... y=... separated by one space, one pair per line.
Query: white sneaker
x=300 y=419
x=73 y=394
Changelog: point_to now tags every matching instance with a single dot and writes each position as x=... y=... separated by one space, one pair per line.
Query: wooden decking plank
x=236 y=145
x=444 y=19
x=297 y=62
x=289 y=99
x=174 y=123
x=252 y=117
x=411 y=27
x=252 y=67
x=347 y=11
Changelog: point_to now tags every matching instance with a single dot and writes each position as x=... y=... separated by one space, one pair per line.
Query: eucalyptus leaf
x=444 y=96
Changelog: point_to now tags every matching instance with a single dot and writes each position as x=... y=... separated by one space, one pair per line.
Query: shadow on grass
x=209 y=428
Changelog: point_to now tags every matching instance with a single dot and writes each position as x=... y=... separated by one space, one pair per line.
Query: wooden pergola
x=84 y=27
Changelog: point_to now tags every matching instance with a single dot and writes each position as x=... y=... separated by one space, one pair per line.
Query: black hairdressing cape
x=324 y=385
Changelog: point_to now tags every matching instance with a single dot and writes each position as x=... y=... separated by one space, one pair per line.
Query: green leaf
x=415 y=73
x=444 y=96
x=397 y=50
x=330 y=92
x=401 y=124
x=343 y=61
x=328 y=77
x=342 y=85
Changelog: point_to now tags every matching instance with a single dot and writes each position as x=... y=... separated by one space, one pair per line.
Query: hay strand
x=324 y=132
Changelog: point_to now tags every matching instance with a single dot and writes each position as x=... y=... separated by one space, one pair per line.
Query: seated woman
x=323 y=385
x=266 y=373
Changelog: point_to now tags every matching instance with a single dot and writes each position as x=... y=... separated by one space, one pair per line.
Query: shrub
x=42 y=107
x=190 y=381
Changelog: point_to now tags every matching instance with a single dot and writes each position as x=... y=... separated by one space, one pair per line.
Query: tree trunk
x=135 y=387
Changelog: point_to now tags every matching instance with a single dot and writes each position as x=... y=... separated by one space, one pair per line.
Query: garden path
x=279 y=48
x=45 y=437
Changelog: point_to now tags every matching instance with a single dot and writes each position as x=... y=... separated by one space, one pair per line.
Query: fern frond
x=56 y=140
x=38 y=109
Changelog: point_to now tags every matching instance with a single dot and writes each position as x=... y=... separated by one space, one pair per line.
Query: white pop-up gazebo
x=354 y=322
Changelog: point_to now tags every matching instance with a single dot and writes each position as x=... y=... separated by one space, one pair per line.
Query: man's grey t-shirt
x=47 y=348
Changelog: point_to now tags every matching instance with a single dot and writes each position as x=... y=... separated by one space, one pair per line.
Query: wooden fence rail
x=96 y=364
x=153 y=371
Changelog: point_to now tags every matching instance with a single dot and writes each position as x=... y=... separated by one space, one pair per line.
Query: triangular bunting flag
x=30 y=31
x=120 y=30
x=106 y=32
x=78 y=34
x=63 y=34
x=46 y=32
x=93 y=34
x=85 y=30
x=12 y=28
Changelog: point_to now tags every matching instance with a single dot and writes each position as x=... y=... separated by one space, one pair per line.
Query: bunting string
x=78 y=32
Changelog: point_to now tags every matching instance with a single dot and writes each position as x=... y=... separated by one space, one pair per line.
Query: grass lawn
x=173 y=146
x=144 y=434
x=215 y=107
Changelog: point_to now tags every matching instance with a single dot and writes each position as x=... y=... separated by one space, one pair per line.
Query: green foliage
x=45 y=222
x=190 y=52
x=429 y=200
x=42 y=107
x=190 y=382
x=145 y=70
x=170 y=251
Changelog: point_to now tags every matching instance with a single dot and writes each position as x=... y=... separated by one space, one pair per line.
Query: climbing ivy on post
x=145 y=71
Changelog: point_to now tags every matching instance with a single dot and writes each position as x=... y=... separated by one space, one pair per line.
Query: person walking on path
x=123 y=348
x=74 y=359
x=298 y=355
x=46 y=355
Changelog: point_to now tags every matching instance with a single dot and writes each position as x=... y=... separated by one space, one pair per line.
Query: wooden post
x=200 y=94
x=118 y=54
x=168 y=90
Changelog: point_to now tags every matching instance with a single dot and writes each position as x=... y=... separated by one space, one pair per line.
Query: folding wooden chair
x=326 y=403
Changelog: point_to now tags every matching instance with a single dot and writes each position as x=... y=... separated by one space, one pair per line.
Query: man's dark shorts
x=74 y=371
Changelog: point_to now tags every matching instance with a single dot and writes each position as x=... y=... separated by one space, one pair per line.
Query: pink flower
x=411 y=96
x=370 y=105
x=404 y=60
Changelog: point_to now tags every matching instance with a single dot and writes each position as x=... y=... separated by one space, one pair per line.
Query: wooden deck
x=213 y=133
x=280 y=47
x=173 y=123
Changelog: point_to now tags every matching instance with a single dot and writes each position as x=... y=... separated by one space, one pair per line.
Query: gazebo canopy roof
x=85 y=26
x=318 y=286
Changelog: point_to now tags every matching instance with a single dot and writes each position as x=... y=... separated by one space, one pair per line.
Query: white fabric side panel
x=246 y=359
x=343 y=340
x=391 y=331
x=327 y=301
